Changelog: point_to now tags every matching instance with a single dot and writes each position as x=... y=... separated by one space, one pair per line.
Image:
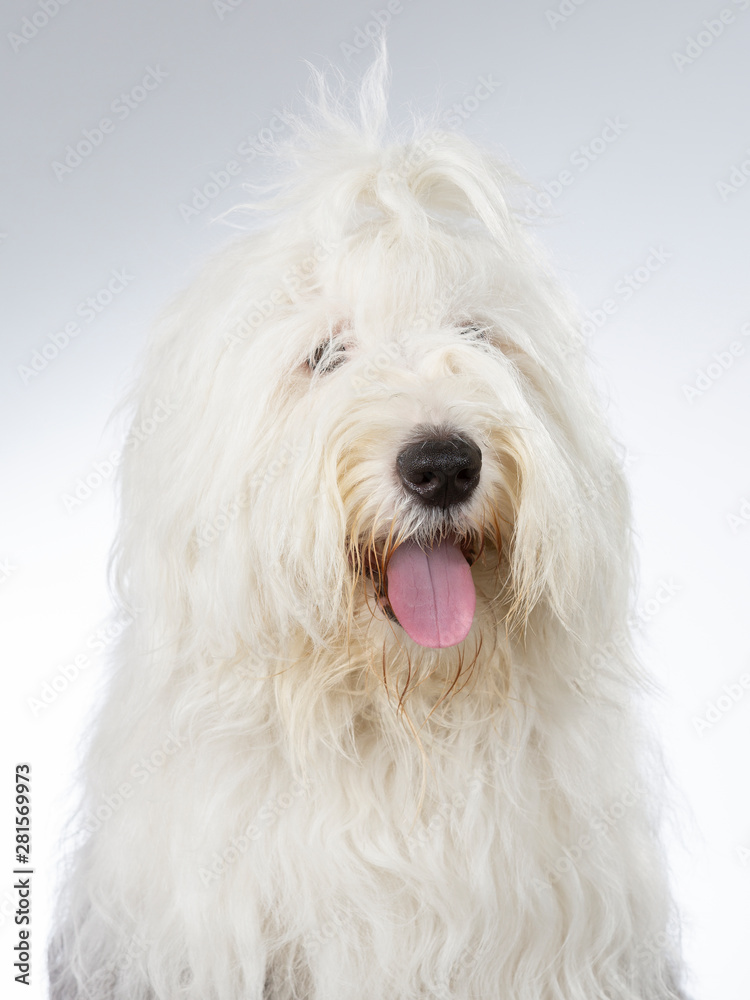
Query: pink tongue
x=432 y=593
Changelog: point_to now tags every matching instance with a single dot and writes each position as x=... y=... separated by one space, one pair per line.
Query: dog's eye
x=474 y=331
x=326 y=357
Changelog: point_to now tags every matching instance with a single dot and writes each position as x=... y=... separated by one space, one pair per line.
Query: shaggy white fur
x=286 y=794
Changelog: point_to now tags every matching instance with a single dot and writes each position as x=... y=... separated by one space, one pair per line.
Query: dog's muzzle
x=427 y=587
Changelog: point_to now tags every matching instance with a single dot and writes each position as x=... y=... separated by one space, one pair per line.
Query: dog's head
x=379 y=428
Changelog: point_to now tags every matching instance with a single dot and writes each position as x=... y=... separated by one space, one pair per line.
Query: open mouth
x=427 y=588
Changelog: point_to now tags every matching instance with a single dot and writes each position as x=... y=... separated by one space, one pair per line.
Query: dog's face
x=381 y=429
x=421 y=469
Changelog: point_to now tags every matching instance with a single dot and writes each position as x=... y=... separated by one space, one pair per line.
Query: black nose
x=440 y=471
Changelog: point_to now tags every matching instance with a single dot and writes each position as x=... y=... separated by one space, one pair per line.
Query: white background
x=556 y=79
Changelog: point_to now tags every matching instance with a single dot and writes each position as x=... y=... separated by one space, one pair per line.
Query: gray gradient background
x=656 y=185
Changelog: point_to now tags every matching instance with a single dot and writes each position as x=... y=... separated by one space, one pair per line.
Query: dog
x=374 y=730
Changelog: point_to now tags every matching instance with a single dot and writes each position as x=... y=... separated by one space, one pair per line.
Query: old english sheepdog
x=374 y=732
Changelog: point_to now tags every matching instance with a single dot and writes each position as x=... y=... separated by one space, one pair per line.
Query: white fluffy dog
x=373 y=732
